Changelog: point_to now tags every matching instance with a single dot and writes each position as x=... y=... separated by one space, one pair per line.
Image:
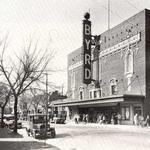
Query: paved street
x=86 y=137
x=101 y=137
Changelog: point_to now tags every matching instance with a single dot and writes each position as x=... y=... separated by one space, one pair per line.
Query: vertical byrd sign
x=86 y=49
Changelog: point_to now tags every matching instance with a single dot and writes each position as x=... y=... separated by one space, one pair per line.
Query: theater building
x=120 y=73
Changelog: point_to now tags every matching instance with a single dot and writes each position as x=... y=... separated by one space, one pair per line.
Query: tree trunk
x=2 y=117
x=15 y=114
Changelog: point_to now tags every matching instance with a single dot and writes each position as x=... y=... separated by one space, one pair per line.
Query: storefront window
x=125 y=113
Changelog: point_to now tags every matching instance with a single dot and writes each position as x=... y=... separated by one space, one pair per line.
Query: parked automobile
x=59 y=118
x=9 y=122
x=38 y=126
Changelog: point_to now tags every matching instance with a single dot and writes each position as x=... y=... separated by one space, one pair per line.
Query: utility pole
x=108 y=14
x=62 y=89
x=46 y=92
x=46 y=103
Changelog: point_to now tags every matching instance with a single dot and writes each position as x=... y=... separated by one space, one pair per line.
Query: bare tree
x=5 y=94
x=24 y=71
x=36 y=100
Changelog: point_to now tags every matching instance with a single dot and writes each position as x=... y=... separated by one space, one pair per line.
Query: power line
x=131 y=4
x=112 y=12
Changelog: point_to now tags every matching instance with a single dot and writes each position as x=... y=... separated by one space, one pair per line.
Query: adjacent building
x=120 y=74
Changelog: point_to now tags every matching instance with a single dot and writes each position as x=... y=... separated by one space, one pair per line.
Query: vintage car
x=38 y=126
x=59 y=118
x=9 y=122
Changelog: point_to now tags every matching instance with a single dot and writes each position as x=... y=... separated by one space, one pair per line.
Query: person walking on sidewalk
x=147 y=121
x=84 y=118
x=87 y=118
x=76 y=118
x=136 y=119
x=119 y=118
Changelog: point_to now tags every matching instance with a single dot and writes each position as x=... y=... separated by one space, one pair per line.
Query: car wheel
x=53 y=133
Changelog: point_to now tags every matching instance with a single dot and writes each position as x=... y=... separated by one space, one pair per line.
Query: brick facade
x=121 y=68
x=113 y=65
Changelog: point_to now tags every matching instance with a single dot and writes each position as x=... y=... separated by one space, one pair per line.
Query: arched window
x=129 y=63
x=129 y=67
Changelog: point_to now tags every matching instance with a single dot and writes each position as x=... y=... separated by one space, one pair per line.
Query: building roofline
x=120 y=24
x=116 y=26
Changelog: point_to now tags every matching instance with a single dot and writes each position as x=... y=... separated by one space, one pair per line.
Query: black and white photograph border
x=74 y=74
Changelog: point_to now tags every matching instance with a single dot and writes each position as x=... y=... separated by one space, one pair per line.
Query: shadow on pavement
x=6 y=133
x=26 y=145
x=62 y=135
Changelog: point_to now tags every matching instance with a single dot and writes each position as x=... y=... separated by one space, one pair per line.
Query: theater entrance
x=95 y=112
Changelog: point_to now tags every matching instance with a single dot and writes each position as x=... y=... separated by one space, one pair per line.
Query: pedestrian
x=147 y=121
x=141 y=120
x=101 y=118
x=98 y=117
x=113 y=119
x=80 y=117
x=84 y=118
x=104 y=119
x=119 y=118
x=76 y=119
x=87 y=118
x=136 y=119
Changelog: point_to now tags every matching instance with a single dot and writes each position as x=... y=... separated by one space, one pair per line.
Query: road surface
x=99 y=137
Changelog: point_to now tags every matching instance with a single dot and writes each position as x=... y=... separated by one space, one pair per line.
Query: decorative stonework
x=121 y=45
x=78 y=64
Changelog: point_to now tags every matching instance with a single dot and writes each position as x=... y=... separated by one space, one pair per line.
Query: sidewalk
x=13 y=141
x=121 y=127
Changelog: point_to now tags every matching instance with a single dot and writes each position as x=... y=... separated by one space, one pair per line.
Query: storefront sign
x=87 y=49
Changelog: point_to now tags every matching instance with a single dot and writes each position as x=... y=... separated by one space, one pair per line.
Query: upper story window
x=90 y=96
x=81 y=92
x=99 y=93
x=113 y=89
x=95 y=93
x=113 y=86
x=81 y=95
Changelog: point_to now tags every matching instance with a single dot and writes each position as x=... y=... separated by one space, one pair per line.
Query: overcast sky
x=58 y=23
